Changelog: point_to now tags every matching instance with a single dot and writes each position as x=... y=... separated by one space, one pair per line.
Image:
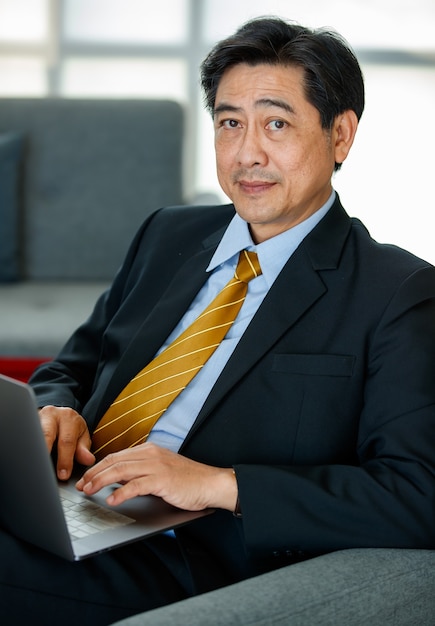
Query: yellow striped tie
x=130 y=418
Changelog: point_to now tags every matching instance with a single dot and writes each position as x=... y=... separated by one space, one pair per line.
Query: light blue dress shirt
x=172 y=428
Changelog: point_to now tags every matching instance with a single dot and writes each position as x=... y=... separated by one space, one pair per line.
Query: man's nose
x=252 y=151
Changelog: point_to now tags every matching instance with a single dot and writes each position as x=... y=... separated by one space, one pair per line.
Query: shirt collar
x=273 y=253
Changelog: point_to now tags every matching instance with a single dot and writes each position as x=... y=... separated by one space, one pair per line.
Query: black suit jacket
x=326 y=409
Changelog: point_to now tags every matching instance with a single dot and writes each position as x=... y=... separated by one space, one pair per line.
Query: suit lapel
x=162 y=319
x=296 y=289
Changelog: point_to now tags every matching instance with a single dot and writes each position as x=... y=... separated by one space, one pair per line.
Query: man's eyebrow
x=225 y=107
x=275 y=102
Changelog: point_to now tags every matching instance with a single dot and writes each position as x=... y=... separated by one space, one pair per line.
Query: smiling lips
x=255 y=186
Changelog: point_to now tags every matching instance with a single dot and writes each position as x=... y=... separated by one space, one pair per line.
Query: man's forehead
x=261 y=85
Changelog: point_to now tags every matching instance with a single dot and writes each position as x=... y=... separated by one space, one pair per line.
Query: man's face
x=274 y=159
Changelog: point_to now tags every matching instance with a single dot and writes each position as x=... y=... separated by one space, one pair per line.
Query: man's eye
x=230 y=123
x=276 y=124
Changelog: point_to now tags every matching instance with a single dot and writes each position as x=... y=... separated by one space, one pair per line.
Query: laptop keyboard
x=85 y=517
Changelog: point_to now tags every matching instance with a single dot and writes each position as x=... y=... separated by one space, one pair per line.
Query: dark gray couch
x=77 y=178
x=360 y=587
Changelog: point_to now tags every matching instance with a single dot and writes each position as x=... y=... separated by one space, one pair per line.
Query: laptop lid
x=31 y=505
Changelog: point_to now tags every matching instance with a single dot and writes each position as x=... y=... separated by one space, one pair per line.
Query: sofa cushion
x=11 y=150
x=37 y=317
x=94 y=170
x=358 y=587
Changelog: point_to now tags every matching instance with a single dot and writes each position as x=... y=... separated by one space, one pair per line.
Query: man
x=311 y=427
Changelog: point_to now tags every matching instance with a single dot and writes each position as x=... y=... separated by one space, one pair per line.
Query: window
x=135 y=48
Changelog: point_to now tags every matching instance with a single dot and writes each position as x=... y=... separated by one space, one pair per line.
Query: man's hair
x=333 y=78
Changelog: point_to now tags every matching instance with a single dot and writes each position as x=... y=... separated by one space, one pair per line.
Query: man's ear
x=344 y=131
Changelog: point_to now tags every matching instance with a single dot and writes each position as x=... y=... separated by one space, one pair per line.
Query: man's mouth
x=255 y=186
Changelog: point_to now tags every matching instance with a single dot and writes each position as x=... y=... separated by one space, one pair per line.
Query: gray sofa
x=358 y=587
x=77 y=178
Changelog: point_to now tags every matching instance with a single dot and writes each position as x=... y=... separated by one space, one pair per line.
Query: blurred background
x=146 y=49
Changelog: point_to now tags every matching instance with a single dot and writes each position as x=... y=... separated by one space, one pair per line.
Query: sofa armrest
x=376 y=587
x=37 y=317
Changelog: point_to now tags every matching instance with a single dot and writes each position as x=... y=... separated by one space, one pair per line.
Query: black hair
x=333 y=78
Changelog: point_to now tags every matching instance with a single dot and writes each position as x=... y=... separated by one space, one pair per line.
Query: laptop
x=38 y=508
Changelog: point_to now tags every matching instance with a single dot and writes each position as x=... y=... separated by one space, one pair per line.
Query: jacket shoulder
x=210 y=216
x=387 y=254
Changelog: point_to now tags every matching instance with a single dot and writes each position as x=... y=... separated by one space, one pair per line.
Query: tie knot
x=248 y=266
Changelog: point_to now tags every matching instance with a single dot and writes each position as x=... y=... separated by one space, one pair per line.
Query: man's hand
x=66 y=427
x=148 y=469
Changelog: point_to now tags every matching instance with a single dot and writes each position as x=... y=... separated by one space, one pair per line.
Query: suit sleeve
x=387 y=499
